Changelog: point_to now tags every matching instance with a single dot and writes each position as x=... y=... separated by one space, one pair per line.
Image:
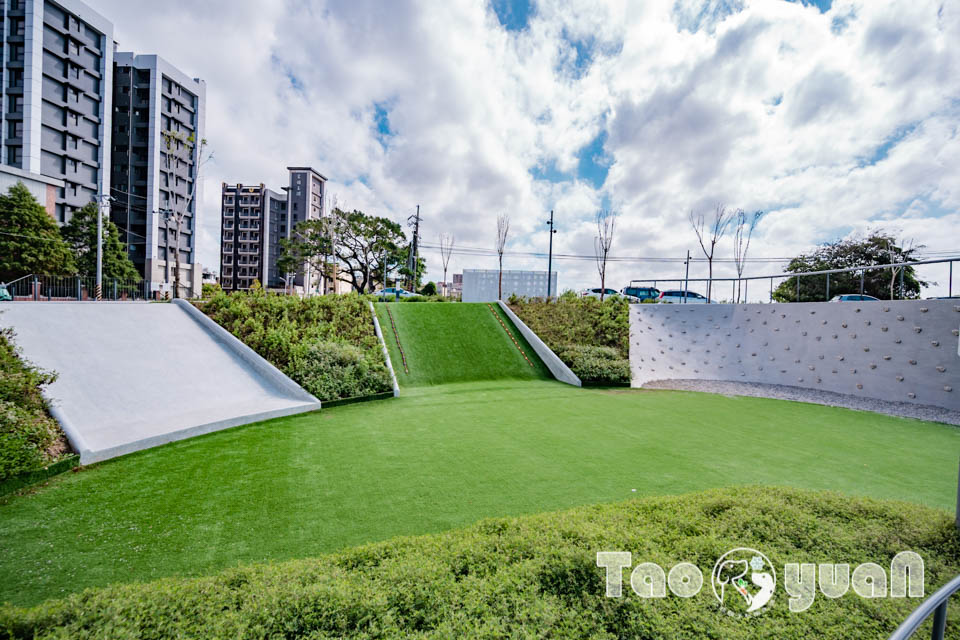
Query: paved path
x=136 y=375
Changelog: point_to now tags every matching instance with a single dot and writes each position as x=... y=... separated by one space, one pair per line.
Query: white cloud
x=760 y=104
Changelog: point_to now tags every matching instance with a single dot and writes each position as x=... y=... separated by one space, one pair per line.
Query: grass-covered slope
x=327 y=344
x=536 y=577
x=434 y=459
x=461 y=342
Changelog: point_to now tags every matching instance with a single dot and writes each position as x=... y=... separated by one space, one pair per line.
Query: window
x=14 y=155
x=16 y=104
x=15 y=129
x=16 y=78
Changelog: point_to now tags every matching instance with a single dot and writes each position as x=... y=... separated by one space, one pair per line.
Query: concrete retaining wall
x=904 y=351
x=386 y=353
x=556 y=366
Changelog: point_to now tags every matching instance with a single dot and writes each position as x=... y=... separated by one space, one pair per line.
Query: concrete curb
x=386 y=354
x=556 y=366
x=248 y=355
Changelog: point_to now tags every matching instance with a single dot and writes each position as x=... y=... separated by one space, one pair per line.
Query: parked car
x=392 y=293
x=675 y=296
x=607 y=293
x=641 y=293
x=852 y=297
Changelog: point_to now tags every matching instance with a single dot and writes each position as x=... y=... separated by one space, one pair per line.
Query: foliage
x=572 y=321
x=429 y=289
x=534 y=575
x=30 y=241
x=596 y=364
x=878 y=248
x=210 y=289
x=364 y=246
x=331 y=370
x=286 y=330
x=27 y=432
x=80 y=233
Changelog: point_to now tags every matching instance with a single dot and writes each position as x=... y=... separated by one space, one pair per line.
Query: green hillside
x=445 y=342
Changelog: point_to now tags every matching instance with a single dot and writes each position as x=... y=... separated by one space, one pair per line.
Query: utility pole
x=686 y=278
x=414 y=260
x=550 y=254
x=102 y=200
x=166 y=258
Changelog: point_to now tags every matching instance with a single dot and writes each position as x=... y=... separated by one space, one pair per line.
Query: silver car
x=607 y=293
x=676 y=296
x=392 y=293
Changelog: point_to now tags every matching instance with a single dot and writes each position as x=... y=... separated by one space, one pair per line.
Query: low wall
x=905 y=350
x=560 y=371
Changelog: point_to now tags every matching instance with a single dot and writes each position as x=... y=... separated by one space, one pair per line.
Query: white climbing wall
x=899 y=351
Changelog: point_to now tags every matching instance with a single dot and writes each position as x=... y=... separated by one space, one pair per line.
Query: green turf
x=437 y=458
x=445 y=342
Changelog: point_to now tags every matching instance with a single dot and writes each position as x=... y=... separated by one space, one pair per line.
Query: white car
x=392 y=293
x=675 y=296
x=607 y=293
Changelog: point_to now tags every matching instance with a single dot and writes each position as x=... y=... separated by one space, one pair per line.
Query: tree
x=503 y=229
x=29 y=239
x=402 y=261
x=81 y=236
x=606 y=227
x=429 y=289
x=744 y=224
x=446 y=248
x=181 y=148
x=878 y=248
x=710 y=236
x=364 y=246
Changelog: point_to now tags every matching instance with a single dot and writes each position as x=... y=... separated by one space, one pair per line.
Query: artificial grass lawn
x=536 y=576
x=446 y=342
x=437 y=458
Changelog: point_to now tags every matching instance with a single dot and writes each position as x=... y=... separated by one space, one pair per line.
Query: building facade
x=57 y=99
x=244 y=231
x=482 y=285
x=306 y=195
x=153 y=101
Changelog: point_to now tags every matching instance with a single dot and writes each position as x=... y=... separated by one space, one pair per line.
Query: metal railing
x=38 y=288
x=935 y=605
x=806 y=274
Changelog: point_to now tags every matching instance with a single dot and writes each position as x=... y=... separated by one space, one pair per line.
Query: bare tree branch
x=503 y=229
x=744 y=224
x=606 y=227
x=446 y=248
x=719 y=223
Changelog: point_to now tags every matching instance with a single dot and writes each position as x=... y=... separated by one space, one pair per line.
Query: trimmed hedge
x=29 y=438
x=535 y=576
x=589 y=336
x=327 y=344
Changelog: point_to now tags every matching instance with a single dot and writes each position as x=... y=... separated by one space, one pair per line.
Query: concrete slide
x=136 y=375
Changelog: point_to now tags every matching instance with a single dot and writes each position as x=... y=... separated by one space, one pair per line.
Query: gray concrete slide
x=137 y=375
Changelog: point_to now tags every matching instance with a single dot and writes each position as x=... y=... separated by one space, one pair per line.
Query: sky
x=835 y=118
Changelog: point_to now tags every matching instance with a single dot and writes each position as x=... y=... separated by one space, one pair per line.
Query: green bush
x=429 y=289
x=29 y=437
x=284 y=329
x=332 y=370
x=571 y=322
x=536 y=576
x=596 y=364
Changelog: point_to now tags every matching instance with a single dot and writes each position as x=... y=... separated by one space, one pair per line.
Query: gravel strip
x=815 y=396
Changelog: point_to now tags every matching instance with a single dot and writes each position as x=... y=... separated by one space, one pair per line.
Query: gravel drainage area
x=799 y=394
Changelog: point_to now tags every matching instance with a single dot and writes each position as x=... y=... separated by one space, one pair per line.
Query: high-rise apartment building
x=305 y=201
x=251 y=217
x=56 y=96
x=154 y=100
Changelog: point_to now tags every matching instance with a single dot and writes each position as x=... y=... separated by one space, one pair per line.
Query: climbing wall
x=901 y=351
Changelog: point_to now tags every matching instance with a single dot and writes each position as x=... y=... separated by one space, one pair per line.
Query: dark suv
x=643 y=293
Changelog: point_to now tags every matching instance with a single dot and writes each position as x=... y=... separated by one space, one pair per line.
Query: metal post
x=550 y=255
x=79 y=289
x=746 y=285
x=939 y=622
x=902 y=269
x=733 y=291
x=36 y=290
x=771 y=289
x=686 y=278
x=114 y=288
x=798 y=287
x=99 y=248
x=950 y=280
x=958 y=501
x=862 y=273
x=828 y=286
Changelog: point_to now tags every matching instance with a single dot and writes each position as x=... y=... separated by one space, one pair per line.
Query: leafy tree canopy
x=877 y=248
x=81 y=235
x=29 y=239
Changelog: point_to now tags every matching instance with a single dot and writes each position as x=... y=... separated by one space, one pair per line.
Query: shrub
x=571 y=321
x=535 y=576
x=29 y=437
x=596 y=364
x=429 y=289
x=332 y=370
x=283 y=328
